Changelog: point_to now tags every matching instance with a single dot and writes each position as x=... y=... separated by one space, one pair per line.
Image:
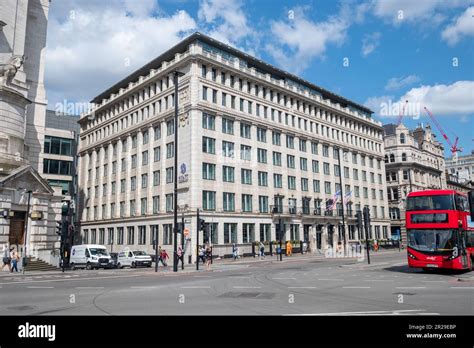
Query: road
x=310 y=286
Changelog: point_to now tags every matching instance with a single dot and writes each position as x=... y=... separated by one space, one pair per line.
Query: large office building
x=260 y=151
x=414 y=161
x=29 y=205
x=461 y=169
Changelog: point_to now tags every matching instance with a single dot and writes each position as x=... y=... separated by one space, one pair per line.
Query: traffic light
x=59 y=228
x=367 y=217
x=202 y=225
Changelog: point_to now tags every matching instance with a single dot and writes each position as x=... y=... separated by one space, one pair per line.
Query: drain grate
x=255 y=295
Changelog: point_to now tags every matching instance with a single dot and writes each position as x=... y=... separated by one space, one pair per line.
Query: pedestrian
x=235 y=251
x=202 y=254
x=376 y=245
x=15 y=258
x=208 y=257
x=289 y=248
x=262 y=249
x=180 y=255
x=6 y=258
x=164 y=256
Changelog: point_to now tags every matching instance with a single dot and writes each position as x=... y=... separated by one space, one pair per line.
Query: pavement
x=299 y=285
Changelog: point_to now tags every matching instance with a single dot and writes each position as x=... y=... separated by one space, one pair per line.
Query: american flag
x=347 y=196
x=335 y=198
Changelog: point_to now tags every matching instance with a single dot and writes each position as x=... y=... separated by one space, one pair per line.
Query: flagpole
x=341 y=192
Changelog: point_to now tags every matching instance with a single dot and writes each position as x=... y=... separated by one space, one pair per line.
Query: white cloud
x=453 y=99
x=462 y=26
x=370 y=43
x=93 y=45
x=399 y=82
x=304 y=39
x=421 y=11
x=227 y=20
x=376 y=103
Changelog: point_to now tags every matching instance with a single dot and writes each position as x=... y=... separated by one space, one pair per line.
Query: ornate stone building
x=29 y=206
x=414 y=161
x=257 y=146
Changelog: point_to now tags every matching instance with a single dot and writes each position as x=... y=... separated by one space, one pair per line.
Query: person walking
x=289 y=249
x=208 y=257
x=15 y=258
x=180 y=255
x=261 y=246
x=164 y=256
x=6 y=258
x=202 y=254
x=235 y=251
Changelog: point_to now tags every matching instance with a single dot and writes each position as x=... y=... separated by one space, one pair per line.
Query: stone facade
x=414 y=161
x=248 y=134
x=462 y=168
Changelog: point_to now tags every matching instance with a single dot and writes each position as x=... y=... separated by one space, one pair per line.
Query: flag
x=347 y=196
x=335 y=198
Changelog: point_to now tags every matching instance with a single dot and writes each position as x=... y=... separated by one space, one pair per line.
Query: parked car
x=133 y=258
x=89 y=256
x=114 y=260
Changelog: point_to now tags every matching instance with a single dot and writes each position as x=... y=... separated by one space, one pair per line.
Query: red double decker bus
x=439 y=232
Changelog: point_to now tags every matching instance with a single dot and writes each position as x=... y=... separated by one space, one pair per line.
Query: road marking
x=462 y=287
x=393 y=312
x=40 y=287
x=331 y=279
x=69 y=280
x=378 y=280
x=195 y=287
x=411 y=287
x=301 y=287
x=433 y=281
x=283 y=278
x=356 y=287
x=199 y=276
x=143 y=287
x=89 y=287
x=428 y=313
x=247 y=287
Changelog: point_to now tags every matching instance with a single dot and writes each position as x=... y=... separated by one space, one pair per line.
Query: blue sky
x=374 y=52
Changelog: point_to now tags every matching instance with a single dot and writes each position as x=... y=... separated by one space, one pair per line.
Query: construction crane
x=402 y=113
x=453 y=147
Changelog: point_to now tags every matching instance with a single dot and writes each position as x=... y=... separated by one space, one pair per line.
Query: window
x=404 y=157
x=248 y=233
x=203 y=71
x=122 y=186
x=204 y=93
x=134 y=142
x=134 y=161
x=170 y=150
x=245 y=152
x=156 y=178
x=227 y=149
x=364 y=175
x=156 y=154
x=227 y=126
x=246 y=176
x=262 y=134
x=276 y=138
x=157 y=131
x=304 y=184
x=302 y=145
x=326 y=168
x=315 y=166
x=262 y=179
x=143 y=206
x=58 y=167
x=228 y=201
x=262 y=155
x=327 y=187
x=291 y=182
x=208 y=171
x=316 y=186
x=209 y=200
x=169 y=127
x=354 y=158
x=246 y=203
x=144 y=158
x=110 y=235
x=156 y=204
x=357 y=191
x=372 y=178
x=263 y=204
x=325 y=150
x=119 y=236
x=167 y=234
x=102 y=236
x=169 y=175
x=366 y=192
x=337 y=170
x=133 y=183
x=290 y=141
x=141 y=235
x=57 y=146
x=228 y=174
x=290 y=161
x=230 y=233
x=132 y=207
x=402 y=138
x=276 y=158
x=303 y=164
x=208 y=145
x=277 y=181
x=245 y=130
x=169 y=202
x=346 y=172
x=144 y=180
x=208 y=121
x=314 y=148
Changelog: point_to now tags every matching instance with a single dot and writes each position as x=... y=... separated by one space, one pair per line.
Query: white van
x=133 y=258
x=89 y=256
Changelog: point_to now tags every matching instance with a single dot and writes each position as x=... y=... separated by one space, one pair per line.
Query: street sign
x=186 y=232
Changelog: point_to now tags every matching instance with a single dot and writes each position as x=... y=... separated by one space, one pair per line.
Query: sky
x=379 y=53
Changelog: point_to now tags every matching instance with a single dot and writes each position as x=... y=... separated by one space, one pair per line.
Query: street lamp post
x=176 y=75
x=342 y=199
x=26 y=231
